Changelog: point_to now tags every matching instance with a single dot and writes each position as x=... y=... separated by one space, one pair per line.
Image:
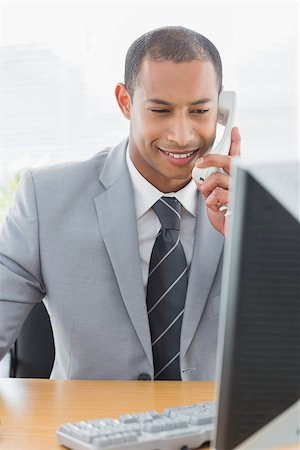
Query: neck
x=169 y=185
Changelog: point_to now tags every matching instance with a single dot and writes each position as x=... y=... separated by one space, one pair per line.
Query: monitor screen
x=258 y=362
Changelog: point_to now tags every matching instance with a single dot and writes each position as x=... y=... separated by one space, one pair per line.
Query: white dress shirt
x=148 y=224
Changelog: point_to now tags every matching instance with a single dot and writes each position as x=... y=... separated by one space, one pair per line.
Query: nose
x=180 y=130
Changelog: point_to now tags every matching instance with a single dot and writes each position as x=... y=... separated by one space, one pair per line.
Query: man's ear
x=123 y=99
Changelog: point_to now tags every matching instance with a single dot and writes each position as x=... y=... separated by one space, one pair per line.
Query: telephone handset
x=226 y=117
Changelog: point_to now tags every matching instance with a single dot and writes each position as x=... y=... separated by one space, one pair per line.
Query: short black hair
x=170 y=43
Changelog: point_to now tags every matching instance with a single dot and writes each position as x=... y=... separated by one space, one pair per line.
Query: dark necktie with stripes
x=166 y=291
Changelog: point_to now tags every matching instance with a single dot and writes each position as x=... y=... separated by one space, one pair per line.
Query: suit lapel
x=117 y=222
x=208 y=245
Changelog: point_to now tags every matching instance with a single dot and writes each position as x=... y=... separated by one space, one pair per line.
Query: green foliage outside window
x=8 y=187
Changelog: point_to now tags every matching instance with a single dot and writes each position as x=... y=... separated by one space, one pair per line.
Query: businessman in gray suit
x=80 y=235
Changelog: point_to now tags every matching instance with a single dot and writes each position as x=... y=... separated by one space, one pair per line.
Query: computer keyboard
x=185 y=427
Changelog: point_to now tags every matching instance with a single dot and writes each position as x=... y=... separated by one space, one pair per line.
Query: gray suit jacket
x=71 y=240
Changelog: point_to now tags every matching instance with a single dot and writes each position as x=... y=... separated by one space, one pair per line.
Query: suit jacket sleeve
x=21 y=284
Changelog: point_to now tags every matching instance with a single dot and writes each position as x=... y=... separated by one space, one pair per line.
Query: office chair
x=32 y=354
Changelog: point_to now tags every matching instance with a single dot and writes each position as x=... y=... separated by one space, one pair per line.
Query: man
x=80 y=235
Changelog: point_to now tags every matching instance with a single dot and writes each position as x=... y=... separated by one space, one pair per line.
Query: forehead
x=169 y=80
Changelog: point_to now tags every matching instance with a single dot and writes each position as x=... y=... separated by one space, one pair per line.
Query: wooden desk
x=32 y=410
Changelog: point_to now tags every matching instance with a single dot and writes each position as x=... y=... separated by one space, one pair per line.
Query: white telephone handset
x=226 y=117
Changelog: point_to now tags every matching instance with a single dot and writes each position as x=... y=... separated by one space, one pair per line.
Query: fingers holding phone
x=215 y=188
x=226 y=118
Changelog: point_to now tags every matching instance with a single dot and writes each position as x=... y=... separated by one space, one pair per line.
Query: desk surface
x=32 y=410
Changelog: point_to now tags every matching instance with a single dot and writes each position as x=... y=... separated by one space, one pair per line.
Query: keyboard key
x=101 y=442
x=117 y=438
x=130 y=436
x=202 y=420
x=152 y=427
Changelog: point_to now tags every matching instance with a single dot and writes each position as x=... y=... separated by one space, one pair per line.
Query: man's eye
x=159 y=110
x=200 y=111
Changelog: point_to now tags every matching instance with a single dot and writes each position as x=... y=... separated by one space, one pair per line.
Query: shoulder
x=75 y=175
x=76 y=169
x=75 y=178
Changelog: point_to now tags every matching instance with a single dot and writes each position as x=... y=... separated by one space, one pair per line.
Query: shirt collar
x=145 y=194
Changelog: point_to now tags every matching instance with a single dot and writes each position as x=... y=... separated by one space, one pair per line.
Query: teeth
x=179 y=155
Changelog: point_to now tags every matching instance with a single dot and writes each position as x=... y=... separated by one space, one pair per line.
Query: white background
x=60 y=62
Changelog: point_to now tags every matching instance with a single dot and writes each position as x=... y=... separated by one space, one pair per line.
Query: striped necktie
x=166 y=291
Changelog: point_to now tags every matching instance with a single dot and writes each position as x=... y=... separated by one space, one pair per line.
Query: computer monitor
x=258 y=361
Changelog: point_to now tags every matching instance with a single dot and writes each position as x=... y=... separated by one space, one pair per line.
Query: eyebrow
x=164 y=102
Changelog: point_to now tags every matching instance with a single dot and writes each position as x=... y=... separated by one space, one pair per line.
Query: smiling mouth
x=179 y=155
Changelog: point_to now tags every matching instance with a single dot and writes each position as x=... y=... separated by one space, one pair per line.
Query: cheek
x=208 y=129
x=145 y=128
x=137 y=126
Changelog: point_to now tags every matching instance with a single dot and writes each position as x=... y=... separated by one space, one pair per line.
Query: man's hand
x=215 y=189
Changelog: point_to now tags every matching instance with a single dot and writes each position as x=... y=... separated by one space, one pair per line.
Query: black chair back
x=32 y=355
